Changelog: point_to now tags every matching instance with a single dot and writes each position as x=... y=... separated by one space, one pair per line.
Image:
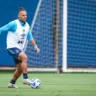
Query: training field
x=53 y=84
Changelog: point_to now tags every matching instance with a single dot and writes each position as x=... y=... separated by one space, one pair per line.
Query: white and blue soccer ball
x=35 y=83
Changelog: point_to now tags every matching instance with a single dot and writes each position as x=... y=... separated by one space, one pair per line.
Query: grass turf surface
x=66 y=84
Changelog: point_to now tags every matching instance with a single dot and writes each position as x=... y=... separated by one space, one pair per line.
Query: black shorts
x=14 y=52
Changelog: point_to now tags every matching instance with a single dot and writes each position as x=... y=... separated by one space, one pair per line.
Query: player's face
x=22 y=16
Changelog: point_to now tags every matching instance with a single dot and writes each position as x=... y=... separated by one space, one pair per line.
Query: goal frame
x=64 y=52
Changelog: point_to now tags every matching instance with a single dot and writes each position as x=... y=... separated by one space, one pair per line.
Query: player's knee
x=25 y=59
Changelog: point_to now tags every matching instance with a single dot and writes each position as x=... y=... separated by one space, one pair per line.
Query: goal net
x=65 y=32
x=80 y=53
x=47 y=32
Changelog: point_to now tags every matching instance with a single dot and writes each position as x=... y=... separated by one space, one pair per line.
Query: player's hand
x=37 y=49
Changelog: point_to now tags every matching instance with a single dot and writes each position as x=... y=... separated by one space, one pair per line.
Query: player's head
x=22 y=14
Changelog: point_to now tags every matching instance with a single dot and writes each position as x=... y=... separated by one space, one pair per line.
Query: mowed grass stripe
x=66 y=84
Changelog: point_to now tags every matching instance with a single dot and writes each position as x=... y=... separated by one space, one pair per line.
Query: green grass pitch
x=53 y=84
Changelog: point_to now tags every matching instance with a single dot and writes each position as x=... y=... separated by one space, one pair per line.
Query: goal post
x=64 y=63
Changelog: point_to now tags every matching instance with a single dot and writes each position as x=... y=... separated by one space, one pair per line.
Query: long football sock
x=12 y=81
x=25 y=76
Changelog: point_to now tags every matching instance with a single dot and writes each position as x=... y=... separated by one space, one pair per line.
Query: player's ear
x=18 y=15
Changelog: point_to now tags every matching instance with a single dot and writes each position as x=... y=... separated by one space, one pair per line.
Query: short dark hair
x=21 y=9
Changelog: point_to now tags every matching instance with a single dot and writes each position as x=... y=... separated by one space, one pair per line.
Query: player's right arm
x=11 y=26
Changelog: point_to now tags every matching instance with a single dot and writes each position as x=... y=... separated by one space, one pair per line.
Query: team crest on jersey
x=23 y=36
x=23 y=30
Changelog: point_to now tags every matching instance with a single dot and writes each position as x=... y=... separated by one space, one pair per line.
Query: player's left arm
x=32 y=41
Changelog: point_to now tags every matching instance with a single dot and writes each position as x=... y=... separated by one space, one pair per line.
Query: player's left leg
x=16 y=75
x=23 y=57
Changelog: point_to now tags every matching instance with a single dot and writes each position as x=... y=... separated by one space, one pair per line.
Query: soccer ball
x=35 y=83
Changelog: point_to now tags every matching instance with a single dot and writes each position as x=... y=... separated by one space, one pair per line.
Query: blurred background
x=47 y=26
x=9 y=12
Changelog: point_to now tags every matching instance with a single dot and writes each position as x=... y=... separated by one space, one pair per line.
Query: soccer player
x=18 y=32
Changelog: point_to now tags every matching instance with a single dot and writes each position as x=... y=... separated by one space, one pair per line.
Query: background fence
x=81 y=33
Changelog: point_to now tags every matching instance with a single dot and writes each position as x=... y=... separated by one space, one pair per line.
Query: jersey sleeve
x=29 y=36
x=11 y=26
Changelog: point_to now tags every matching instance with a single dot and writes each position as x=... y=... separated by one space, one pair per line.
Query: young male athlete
x=18 y=32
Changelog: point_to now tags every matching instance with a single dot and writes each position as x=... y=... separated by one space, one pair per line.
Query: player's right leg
x=16 y=75
x=14 y=52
